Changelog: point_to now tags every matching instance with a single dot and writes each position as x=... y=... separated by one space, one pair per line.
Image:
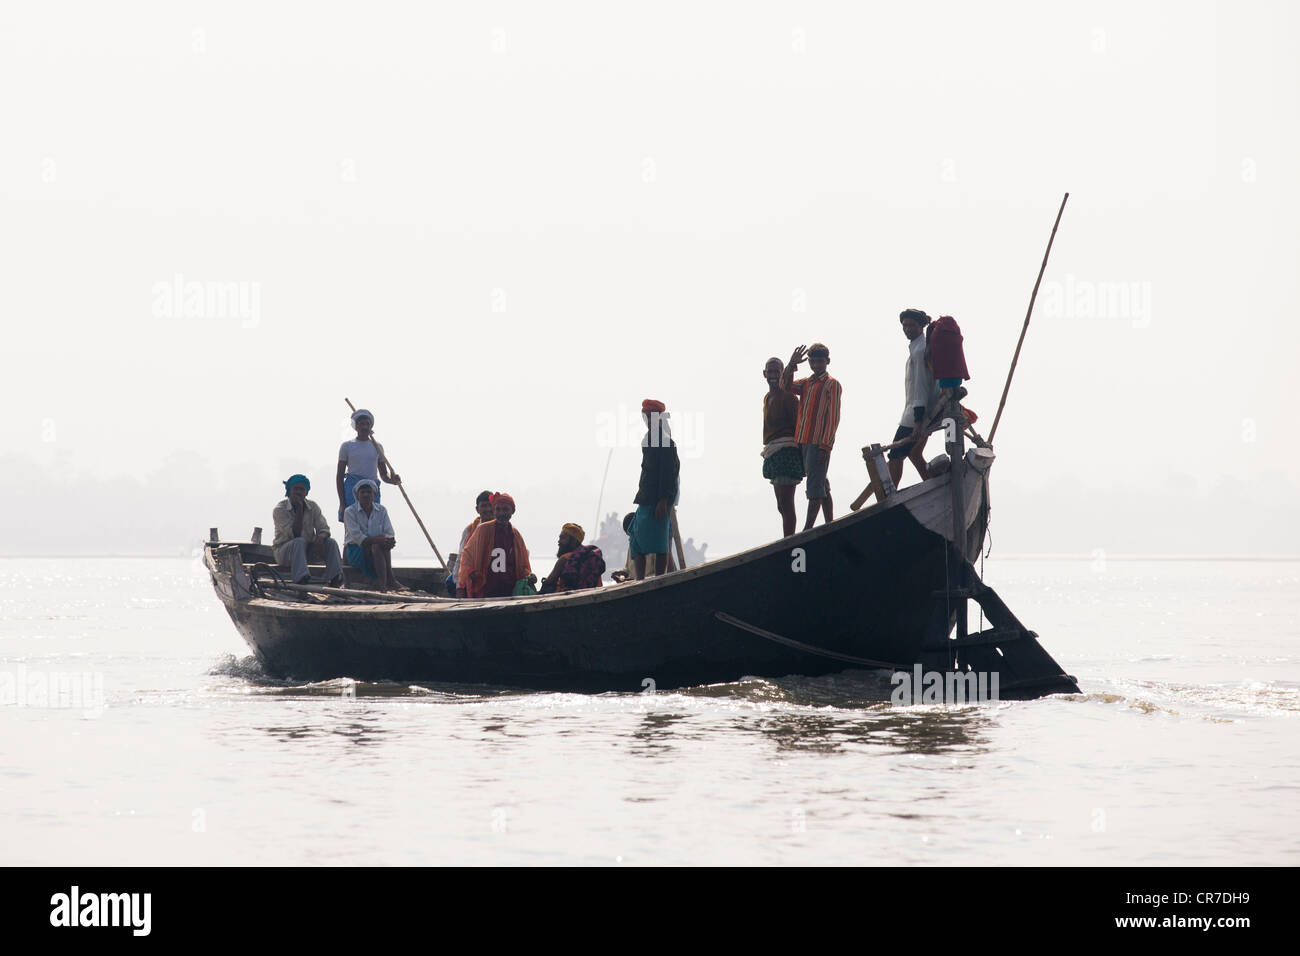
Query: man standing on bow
x=921 y=401
x=359 y=459
x=656 y=492
x=782 y=459
x=819 y=419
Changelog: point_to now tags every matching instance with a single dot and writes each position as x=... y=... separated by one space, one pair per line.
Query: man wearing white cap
x=368 y=536
x=362 y=457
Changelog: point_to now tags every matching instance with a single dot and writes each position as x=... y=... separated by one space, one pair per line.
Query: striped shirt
x=819 y=410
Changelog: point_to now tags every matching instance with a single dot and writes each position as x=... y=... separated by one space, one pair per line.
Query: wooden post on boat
x=882 y=486
x=957 y=454
x=936 y=649
x=257 y=536
x=879 y=482
x=213 y=536
x=677 y=540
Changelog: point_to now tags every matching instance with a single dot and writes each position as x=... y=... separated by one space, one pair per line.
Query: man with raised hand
x=819 y=419
x=782 y=459
x=303 y=534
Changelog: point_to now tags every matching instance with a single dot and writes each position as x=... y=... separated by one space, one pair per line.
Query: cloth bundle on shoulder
x=583 y=568
x=943 y=339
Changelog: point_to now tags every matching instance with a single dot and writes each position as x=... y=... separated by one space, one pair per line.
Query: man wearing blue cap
x=302 y=533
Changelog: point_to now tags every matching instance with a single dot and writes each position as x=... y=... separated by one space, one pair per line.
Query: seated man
x=369 y=536
x=483 y=505
x=495 y=559
x=301 y=533
x=577 y=567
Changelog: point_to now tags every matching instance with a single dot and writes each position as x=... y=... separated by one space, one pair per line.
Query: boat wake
x=1226 y=702
x=849 y=690
x=243 y=668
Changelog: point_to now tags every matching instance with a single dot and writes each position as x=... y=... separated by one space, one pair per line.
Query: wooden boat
x=880 y=587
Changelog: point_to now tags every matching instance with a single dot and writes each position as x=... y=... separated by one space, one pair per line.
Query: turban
x=296 y=480
x=362 y=413
x=650 y=405
x=363 y=483
x=818 y=349
x=502 y=496
x=574 y=532
x=916 y=315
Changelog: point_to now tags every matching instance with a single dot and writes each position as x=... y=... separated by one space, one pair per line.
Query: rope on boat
x=800 y=646
x=256 y=572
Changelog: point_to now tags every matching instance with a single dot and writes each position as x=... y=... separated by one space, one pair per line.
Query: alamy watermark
x=943 y=687
x=625 y=427
x=76 y=908
x=189 y=299
x=1077 y=298
x=27 y=687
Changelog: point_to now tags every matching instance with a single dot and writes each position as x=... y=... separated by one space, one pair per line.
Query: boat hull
x=861 y=587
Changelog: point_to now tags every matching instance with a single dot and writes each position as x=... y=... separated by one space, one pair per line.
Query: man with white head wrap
x=369 y=536
x=362 y=457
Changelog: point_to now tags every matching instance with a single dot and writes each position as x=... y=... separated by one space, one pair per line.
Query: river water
x=136 y=729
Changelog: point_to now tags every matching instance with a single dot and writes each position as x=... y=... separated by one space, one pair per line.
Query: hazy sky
x=500 y=226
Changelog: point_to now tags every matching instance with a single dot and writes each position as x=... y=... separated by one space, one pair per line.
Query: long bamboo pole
x=1025 y=328
x=427 y=536
x=677 y=539
x=601 y=499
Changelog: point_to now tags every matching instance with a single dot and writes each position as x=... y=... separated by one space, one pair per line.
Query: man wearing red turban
x=495 y=557
x=656 y=492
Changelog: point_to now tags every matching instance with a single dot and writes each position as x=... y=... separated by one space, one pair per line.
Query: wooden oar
x=1025 y=328
x=427 y=536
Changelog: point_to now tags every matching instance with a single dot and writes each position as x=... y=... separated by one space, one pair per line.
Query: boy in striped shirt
x=819 y=417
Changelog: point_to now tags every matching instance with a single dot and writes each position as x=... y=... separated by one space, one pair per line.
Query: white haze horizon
x=501 y=228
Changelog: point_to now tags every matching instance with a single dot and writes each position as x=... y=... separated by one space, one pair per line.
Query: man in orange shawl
x=495 y=557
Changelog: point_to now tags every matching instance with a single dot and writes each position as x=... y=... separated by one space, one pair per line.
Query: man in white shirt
x=301 y=532
x=368 y=536
x=361 y=458
x=922 y=398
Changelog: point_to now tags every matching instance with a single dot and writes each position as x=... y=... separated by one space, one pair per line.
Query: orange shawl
x=472 y=572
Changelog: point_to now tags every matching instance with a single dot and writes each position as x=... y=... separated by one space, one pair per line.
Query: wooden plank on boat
x=392 y=597
x=799 y=645
x=880 y=484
